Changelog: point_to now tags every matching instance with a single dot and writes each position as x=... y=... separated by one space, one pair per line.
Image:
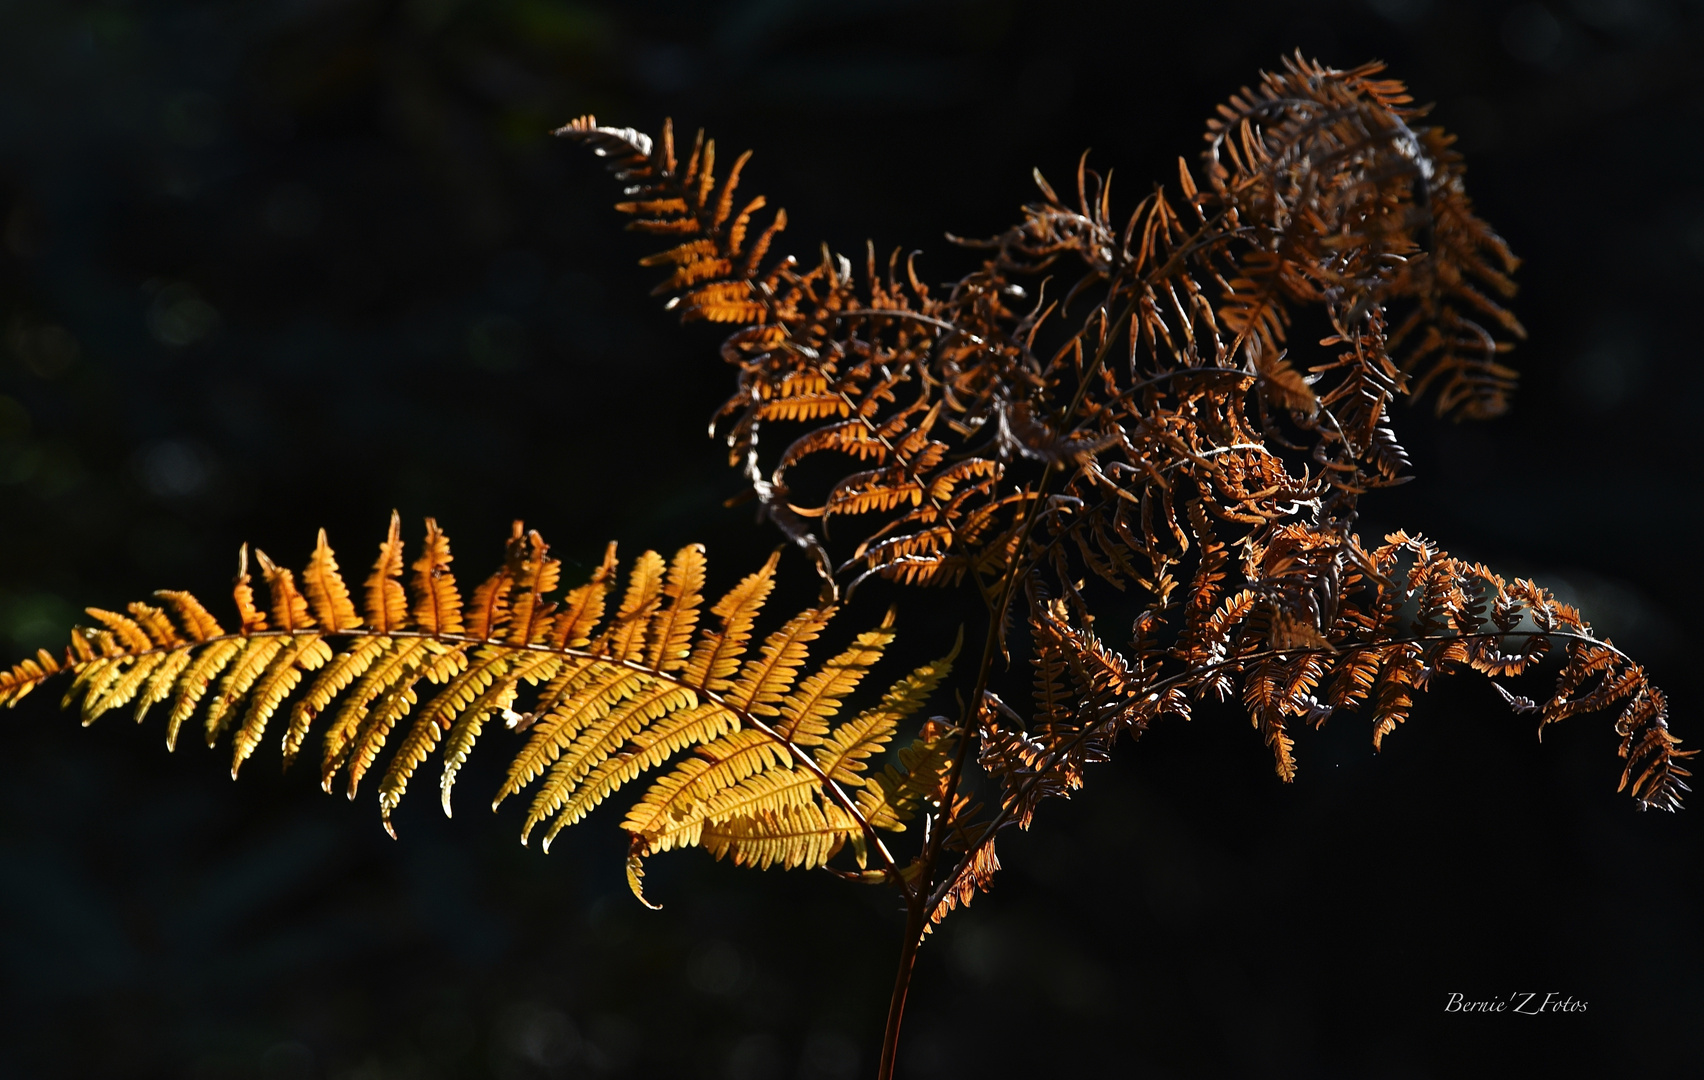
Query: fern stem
x=917 y=913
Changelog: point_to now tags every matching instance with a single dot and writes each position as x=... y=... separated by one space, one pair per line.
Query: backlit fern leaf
x=743 y=778
x=775 y=781
x=804 y=835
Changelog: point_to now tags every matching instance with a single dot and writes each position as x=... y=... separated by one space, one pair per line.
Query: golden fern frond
x=805 y=712
x=764 y=680
x=806 y=835
x=893 y=796
x=774 y=781
x=647 y=701
x=664 y=818
x=740 y=792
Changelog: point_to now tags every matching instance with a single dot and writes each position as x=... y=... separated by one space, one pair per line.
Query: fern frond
x=616 y=696
x=765 y=680
x=806 y=835
x=399 y=658
x=805 y=712
x=652 y=700
x=672 y=811
x=343 y=669
x=714 y=272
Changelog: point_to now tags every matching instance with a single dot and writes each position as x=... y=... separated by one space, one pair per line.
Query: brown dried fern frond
x=1147 y=440
x=1319 y=190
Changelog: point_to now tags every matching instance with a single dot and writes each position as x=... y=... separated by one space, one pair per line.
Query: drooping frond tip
x=777 y=775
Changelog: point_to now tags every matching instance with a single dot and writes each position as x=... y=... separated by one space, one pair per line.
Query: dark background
x=289 y=263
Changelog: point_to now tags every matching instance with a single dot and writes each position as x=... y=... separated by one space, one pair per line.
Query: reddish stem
x=915 y=915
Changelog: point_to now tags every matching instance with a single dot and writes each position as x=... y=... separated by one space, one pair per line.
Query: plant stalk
x=916 y=914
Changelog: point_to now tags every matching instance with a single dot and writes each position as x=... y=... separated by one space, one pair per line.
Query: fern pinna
x=1169 y=458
